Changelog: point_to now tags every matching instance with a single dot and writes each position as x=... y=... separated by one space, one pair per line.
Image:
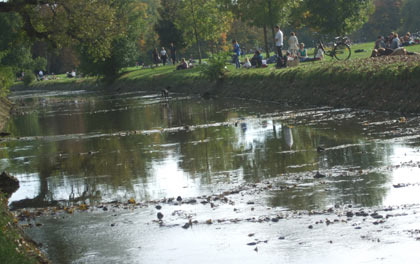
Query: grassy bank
x=386 y=83
x=14 y=248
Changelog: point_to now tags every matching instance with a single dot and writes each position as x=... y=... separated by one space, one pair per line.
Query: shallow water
x=250 y=166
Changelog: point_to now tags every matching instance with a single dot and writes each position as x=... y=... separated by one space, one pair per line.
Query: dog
x=165 y=92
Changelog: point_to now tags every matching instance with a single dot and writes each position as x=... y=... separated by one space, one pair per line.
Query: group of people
x=295 y=53
x=392 y=45
x=162 y=56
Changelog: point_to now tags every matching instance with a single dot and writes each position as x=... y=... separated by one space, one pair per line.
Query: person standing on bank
x=279 y=46
x=173 y=53
x=163 y=55
x=237 y=53
x=279 y=41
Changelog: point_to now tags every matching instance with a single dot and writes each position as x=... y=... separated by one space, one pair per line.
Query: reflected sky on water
x=97 y=147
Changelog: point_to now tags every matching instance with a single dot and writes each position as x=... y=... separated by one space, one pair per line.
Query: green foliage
x=124 y=50
x=384 y=20
x=410 y=15
x=202 y=20
x=165 y=26
x=28 y=78
x=14 y=47
x=216 y=67
x=6 y=79
x=9 y=238
x=333 y=17
x=40 y=63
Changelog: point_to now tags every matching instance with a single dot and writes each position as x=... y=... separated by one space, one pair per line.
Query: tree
x=263 y=14
x=13 y=43
x=333 y=17
x=410 y=15
x=165 y=26
x=202 y=20
x=66 y=22
x=131 y=16
x=385 y=19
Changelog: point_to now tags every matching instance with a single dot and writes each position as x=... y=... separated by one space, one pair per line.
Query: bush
x=6 y=80
x=28 y=78
x=216 y=67
x=40 y=63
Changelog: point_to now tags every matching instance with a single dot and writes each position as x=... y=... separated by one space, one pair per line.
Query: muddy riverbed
x=134 y=178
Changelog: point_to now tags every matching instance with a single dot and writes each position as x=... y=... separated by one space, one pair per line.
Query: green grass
x=357 y=67
x=13 y=249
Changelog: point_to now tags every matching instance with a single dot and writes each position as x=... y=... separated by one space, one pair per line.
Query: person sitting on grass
x=256 y=60
x=183 y=65
x=319 y=54
x=407 y=41
x=380 y=43
x=391 y=44
x=302 y=52
x=247 y=64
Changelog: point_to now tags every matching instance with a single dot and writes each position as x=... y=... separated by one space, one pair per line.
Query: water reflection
x=212 y=146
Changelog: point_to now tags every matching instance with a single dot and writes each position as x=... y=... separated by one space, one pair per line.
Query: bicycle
x=340 y=49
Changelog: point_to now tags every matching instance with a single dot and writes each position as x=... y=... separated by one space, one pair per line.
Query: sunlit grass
x=358 y=66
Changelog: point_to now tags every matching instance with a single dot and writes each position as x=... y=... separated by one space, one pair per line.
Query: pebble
x=159 y=215
x=158 y=207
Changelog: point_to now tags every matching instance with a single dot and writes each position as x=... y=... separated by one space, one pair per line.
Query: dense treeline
x=100 y=37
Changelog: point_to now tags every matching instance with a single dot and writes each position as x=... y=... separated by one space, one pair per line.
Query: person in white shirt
x=293 y=44
x=279 y=41
x=163 y=56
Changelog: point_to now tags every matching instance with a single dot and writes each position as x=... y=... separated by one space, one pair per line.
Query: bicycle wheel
x=342 y=51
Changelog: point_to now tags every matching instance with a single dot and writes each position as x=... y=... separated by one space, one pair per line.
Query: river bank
x=385 y=84
x=15 y=247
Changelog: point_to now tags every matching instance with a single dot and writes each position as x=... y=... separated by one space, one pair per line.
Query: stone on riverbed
x=8 y=184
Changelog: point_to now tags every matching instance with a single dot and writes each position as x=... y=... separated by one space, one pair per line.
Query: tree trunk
x=270 y=14
x=267 y=51
x=195 y=31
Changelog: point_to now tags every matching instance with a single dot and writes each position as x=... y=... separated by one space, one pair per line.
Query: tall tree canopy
x=131 y=15
x=65 y=22
x=385 y=19
x=333 y=17
x=165 y=26
x=410 y=15
x=202 y=20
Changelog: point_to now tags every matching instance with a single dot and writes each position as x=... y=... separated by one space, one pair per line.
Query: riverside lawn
x=385 y=83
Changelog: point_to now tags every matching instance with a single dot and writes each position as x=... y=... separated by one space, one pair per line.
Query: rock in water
x=319 y=175
x=8 y=184
x=159 y=216
x=320 y=149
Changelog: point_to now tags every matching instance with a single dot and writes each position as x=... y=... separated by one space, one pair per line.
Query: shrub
x=6 y=80
x=28 y=78
x=216 y=67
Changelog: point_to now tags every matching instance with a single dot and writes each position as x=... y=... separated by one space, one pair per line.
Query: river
x=234 y=181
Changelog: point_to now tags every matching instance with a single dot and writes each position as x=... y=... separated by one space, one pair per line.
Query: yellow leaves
x=403 y=119
x=132 y=201
x=307 y=14
x=69 y=210
x=83 y=207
